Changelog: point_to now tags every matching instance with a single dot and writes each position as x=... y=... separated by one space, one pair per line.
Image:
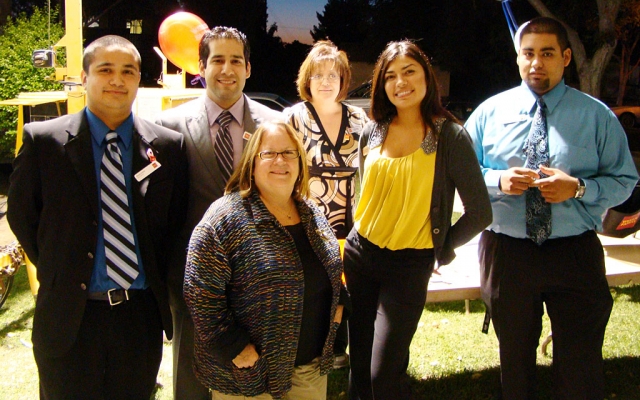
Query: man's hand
x=247 y=357
x=516 y=180
x=557 y=187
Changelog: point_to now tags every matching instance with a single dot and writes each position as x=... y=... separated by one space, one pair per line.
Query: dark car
x=627 y=115
x=460 y=109
x=360 y=97
x=270 y=100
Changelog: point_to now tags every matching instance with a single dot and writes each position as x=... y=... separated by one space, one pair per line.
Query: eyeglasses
x=331 y=77
x=272 y=155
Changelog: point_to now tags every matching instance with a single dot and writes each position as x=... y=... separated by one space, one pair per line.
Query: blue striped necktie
x=224 y=146
x=536 y=148
x=119 y=243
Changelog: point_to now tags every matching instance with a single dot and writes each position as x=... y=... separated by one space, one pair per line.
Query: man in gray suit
x=224 y=63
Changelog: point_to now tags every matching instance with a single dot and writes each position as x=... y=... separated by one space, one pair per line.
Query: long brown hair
x=431 y=106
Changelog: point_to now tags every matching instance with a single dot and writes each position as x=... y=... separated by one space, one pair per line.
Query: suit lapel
x=79 y=149
x=249 y=119
x=142 y=145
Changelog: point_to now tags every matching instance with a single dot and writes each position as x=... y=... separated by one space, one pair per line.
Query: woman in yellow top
x=414 y=155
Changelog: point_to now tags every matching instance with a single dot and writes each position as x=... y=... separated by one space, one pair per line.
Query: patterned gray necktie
x=536 y=148
x=119 y=243
x=224 y=145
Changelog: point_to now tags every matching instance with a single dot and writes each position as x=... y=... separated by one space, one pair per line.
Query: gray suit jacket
x=205 y=183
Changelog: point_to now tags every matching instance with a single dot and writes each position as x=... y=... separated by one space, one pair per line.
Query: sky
x=295 y=18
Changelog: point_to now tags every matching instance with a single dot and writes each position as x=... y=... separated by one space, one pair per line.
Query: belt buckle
x=111 y=302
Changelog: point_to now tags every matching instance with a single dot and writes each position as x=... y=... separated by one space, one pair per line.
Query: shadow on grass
x=622 y=379
x=26 y=307
x=633 y=293
x=18 y=324
x=475 y=306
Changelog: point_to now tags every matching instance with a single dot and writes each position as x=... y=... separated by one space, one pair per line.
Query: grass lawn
x=450 y=357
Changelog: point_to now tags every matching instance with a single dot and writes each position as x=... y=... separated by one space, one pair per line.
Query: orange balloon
x=179 y=36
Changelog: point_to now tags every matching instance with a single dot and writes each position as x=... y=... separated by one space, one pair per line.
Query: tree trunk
x=5 y=11
x=622 y=76
x=590 y=71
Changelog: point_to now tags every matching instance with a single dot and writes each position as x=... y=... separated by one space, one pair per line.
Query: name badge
x=146 y=171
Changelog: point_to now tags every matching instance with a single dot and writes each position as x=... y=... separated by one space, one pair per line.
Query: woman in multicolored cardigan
x=262 y=280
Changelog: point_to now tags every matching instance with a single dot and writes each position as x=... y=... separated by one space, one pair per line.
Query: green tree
x=21 y=36
x=344 y=21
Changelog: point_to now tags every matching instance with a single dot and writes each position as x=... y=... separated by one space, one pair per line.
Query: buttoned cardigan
x=456 y=168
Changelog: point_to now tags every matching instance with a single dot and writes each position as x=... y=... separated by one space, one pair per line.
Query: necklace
x=280 y=210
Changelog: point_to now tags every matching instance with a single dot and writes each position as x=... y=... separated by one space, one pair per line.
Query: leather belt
x=115 y=296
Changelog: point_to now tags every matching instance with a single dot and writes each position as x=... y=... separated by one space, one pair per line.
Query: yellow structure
x=72 y=41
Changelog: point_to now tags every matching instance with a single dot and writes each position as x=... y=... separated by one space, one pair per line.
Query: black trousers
x=116 y=355
x=568 y=276
x=388 y=293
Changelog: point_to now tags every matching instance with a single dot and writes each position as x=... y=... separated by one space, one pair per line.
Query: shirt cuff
x=589 y=195
x=492 y=180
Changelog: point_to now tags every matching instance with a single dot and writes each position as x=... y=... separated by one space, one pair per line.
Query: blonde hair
x=242 y=179
x=324 y=50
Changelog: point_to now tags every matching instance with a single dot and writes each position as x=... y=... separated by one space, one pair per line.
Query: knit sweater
x=244 y=284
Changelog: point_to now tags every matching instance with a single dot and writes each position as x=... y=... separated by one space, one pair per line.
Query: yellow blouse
x=395 y=200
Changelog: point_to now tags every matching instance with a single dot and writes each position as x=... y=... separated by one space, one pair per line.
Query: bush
x=20 y=37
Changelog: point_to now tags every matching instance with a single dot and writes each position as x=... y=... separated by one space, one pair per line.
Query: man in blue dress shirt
x=589 y=170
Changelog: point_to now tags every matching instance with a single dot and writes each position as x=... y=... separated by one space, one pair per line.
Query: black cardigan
x=456 y=168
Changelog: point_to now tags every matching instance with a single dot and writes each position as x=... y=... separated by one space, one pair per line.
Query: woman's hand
x=338 y=317
x=247 y=357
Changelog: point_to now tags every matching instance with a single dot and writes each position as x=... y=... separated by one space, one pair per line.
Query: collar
x=214 y=110
x=429 y=143
x=551 y=98
x=99 y=130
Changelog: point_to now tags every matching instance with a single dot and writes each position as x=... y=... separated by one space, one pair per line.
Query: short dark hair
x=108 y=41
x=547 y=25
x=222 y=32
x=431 y=106
x=324 y=50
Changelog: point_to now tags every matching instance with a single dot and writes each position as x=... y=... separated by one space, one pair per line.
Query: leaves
x=21 y=36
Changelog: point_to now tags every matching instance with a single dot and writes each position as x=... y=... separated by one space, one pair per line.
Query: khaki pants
x=307 y=385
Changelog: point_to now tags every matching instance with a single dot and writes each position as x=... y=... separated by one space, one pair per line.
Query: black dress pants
x=388 y=293
x=568 y=275
x=116 y=355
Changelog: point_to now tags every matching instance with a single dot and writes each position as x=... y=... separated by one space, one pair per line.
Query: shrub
x=21 y=35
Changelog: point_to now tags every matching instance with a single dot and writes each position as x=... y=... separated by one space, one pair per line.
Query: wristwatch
x=580 y=189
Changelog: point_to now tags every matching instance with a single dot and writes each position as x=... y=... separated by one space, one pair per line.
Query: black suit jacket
x=53 y=209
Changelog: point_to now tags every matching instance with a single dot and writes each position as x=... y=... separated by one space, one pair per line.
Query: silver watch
x=580 y=189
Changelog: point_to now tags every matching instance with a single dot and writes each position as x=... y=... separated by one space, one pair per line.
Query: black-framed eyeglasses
x=272 y=155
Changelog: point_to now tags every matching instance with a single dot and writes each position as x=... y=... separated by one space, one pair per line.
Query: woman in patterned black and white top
x=329 y=130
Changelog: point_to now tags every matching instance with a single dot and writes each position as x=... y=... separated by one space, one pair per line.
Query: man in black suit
x=97 y=328
x=224 y=63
